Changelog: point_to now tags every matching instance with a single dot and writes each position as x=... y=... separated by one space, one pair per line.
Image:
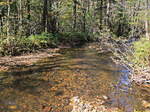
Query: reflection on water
x=52 y=82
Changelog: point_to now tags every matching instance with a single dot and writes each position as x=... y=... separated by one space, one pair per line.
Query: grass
x=142 y=52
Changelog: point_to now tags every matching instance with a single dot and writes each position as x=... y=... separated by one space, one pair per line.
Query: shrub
x=14 y=45
x=18 y=45
x=43 y=40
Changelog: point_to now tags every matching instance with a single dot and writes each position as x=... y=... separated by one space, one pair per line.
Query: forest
x=27 y=25
x=43 y=41
x=28 y=18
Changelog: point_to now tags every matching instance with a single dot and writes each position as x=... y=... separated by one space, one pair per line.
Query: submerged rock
x=146 y=104
x=80 y=105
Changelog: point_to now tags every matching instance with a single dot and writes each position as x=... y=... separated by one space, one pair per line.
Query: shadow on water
x=55 y=80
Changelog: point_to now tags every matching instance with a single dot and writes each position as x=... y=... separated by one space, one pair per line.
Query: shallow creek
x=80 y=72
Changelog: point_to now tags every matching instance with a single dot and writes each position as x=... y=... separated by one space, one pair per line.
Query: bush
x=18 y=45
x=42 y=41
x=14 y=46
x=142 y=52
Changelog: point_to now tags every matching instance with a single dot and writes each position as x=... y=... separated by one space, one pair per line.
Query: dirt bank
x=9 y=62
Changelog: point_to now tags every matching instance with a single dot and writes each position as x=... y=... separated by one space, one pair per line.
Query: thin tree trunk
x=28 y=17
x=1 y=24
x=101 y=14
x=8 y=16
x=146 y=20
x=20 y=16
x=28 y=10
x=84 y=20
x=1 y=20
x=45 y=15
x=84 y=10
x=108 y=12
x=75 y=15
x=88 y=9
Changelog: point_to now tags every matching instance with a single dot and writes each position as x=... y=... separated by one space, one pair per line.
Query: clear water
x=52 y=82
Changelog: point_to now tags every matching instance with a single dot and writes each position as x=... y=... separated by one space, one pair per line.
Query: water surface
x=53 y=81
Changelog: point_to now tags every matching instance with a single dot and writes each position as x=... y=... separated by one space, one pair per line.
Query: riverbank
x=25 y=51
x=15 y=46
x=29 y=59
x=122 y=51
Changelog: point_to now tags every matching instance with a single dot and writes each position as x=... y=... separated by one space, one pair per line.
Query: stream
x=78 y=72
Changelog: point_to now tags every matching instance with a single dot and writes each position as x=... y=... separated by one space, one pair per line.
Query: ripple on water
x=52 y=83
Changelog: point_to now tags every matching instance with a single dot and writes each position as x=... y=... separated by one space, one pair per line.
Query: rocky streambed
x=77 y=80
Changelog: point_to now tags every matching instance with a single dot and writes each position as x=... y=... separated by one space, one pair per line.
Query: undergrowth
x=18 y=45
x=142 y=52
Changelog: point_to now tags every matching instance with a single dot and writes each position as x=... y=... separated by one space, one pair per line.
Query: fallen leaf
x=12 y=107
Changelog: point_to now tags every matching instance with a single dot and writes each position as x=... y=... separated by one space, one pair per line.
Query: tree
x=45 y=15
x=8 y=17
x=146 y=20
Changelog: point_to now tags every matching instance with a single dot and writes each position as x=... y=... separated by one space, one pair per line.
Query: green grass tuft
x=142 y=52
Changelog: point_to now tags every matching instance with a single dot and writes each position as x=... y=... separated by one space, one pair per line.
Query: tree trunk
x=108 y=12
x=1 y=24
x=28 y=10
x=146 y=20
x=75 y=15
x=101 y=14
x=1 y=20
x=8 y=16
x=45 y=15
x=88 y=9
x=84 y=20
x=28 y=17
x=20 y=17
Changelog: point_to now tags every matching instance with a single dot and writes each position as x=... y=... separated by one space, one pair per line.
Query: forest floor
x=8 y=62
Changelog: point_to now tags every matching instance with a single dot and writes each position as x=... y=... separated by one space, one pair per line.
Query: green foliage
x=142 y=52
x=74 y=38
x=18 y=45
x=43 y=40
x=14 y=46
